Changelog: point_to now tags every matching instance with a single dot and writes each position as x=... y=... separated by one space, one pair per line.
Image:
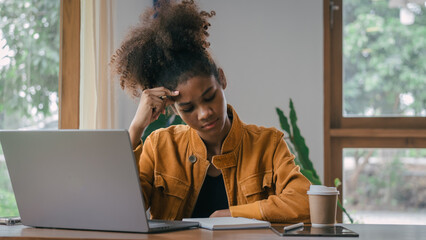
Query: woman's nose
x=204 y=112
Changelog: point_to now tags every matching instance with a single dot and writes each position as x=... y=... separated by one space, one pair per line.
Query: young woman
x=215 y=165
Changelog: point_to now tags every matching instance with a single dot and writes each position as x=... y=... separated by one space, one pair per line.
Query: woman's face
x=201 y=104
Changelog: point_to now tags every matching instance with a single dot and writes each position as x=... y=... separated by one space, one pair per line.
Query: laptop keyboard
x=160 y=225
x=163 y=224
x=157 y=224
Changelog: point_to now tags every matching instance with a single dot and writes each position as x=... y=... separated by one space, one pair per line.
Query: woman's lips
x=210 y=125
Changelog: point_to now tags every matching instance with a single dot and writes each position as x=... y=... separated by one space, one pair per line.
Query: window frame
x=349 y=132
x=69 y=65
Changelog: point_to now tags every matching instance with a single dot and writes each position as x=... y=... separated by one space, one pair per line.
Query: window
x=385 y=184
x=384 y=69
x=374 y=100
x=29 y=69
x=39 y=44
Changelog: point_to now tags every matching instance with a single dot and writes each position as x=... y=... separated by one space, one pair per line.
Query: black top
x=212 y=197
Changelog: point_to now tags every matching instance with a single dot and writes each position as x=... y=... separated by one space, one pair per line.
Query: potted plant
x=297 y=145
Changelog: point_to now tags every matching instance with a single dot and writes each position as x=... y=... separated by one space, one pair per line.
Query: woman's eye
x=187 y=109
x=210 y=98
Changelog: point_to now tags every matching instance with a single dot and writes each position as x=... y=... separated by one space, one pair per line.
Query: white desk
x=365 y=231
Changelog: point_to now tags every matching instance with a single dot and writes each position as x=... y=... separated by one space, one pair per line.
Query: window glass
x=385 y=186
x=384 y=63
x=29 y=70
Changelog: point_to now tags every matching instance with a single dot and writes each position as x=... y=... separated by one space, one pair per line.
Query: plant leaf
x=310 y=176
x=283 y=121
x=176 y=120
x=344 y=210
x=159 y=123
x=300 y=145
x=337 y=182
x=293 y=151
x=163 y=121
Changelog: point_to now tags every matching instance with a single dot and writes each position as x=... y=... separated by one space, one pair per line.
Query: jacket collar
x=229 y=145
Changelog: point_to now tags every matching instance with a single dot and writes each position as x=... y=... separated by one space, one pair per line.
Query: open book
x=221 y=223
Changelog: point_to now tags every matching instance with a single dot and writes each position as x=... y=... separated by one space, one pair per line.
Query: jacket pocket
x=168 y=197
x=257 y=187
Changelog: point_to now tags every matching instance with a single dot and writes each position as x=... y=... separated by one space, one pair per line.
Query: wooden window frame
x=69 y=65
x=361 y=132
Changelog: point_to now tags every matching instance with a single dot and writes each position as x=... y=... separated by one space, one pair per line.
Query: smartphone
x=10 y=220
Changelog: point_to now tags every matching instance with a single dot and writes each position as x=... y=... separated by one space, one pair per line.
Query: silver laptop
x=78 y=179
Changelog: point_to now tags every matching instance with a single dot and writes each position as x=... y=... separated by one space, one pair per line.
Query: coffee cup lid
x=322 y=190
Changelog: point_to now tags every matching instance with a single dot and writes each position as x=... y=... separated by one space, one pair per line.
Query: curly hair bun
x=169 y=41
x=183 y=27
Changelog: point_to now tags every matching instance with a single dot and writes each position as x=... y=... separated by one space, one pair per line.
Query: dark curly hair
x=167 y=47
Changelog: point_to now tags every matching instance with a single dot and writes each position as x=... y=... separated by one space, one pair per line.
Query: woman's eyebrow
x=188 y=103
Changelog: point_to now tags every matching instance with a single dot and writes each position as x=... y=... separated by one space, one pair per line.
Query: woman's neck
x=214 y=146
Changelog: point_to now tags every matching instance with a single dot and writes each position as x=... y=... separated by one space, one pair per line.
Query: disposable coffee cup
x=323 y=205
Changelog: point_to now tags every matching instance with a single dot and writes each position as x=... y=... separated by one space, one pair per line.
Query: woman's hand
x=152 y=103
x=221 y=213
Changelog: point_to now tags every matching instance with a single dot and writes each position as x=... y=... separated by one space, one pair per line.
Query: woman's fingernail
x=175 y=92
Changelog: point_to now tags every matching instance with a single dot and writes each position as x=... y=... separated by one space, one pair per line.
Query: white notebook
x=221 y=223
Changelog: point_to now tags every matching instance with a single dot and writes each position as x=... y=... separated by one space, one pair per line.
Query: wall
x=271 y=51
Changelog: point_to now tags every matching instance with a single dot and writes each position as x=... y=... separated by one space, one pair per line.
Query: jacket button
x=192 y=159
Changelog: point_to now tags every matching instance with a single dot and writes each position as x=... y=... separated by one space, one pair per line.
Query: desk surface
x=366 y=231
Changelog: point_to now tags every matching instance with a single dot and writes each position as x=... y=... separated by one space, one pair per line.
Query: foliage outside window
x=29 y=70
x=384 y=49
x=384 y=75
x=385 y=183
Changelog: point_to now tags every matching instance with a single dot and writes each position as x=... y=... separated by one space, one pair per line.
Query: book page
x=229 y=223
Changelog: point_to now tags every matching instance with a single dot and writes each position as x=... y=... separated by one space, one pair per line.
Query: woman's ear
x=222 y=78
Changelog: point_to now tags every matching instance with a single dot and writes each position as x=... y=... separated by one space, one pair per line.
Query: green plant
x=297 y=145
x=377 y=75
x=7 y=198
x=163 y=121
x=29 y=61
x=337 y=183
x=8 y=204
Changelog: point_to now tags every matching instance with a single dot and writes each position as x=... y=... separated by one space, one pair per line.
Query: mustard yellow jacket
x=260 y=176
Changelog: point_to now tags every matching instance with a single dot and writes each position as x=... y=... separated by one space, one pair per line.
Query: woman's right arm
x=145 y=162
x=152 y=103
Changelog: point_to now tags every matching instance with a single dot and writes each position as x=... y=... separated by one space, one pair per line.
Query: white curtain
x=96 y=84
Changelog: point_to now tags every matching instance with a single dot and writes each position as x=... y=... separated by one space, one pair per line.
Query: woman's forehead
x=195 y=87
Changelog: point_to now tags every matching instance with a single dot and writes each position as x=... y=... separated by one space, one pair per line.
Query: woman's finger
x=162 y=92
